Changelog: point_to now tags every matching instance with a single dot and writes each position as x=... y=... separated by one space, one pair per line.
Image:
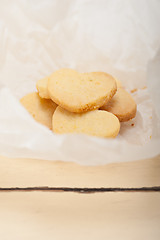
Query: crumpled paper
x=118 y=37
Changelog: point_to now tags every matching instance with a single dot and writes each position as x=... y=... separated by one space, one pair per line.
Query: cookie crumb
x=134 y=90
x=144 y=87
x=132 y=124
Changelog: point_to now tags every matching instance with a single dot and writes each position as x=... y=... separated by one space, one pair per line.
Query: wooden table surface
x=56 y=200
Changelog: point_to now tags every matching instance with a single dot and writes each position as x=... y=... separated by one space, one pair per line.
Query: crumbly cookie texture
x=80 y=92
x=42 y=87
x=97 y=123
x=41 y=109
x=121 y=105
x=118 y=83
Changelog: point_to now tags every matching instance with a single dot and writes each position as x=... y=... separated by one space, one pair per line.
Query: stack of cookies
x=71 y=102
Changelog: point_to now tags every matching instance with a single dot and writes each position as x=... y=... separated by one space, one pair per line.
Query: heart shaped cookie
x=118 y=83
x=97 y=123
x=42 y=87
x=80 y=92
x=122 y=105
x=41 y=109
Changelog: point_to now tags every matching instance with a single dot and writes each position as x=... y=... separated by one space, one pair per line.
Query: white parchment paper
x=116 y=36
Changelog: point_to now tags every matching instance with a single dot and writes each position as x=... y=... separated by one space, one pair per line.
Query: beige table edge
x=51 y=215
x=36 y=173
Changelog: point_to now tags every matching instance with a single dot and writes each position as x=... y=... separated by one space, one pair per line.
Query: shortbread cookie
x=41 y=109
x=97 y=123
x=80 y=92
x=103 y=73
x=122 y=105
x=42 y=87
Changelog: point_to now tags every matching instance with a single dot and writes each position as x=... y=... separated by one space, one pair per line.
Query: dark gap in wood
x=82 y=190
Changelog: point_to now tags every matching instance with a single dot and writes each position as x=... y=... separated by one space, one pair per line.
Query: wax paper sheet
x=118 y=37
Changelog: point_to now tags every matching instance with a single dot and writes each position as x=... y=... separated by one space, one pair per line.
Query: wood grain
x=39 y=215
x=39 y=173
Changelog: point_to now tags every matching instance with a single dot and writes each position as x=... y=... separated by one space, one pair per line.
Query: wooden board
x=35 y=173
x=51 y=215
